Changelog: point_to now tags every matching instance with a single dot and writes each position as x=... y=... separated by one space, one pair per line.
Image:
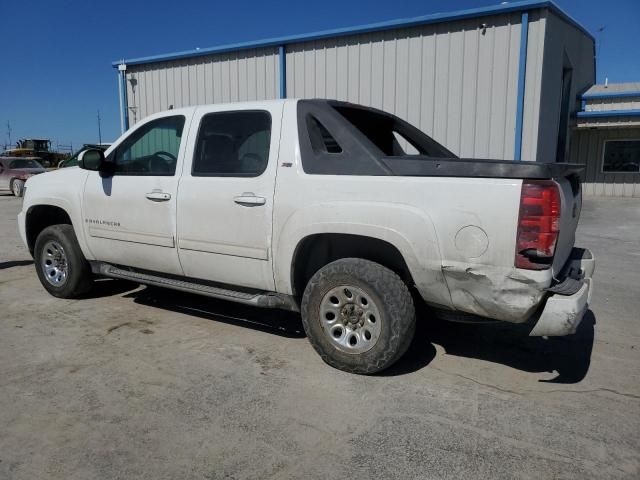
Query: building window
x=621 y=156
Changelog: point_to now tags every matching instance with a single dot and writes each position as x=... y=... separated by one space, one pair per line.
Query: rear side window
x=391 y=135
x=233 y=144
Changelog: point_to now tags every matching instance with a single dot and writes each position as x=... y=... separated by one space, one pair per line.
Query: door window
x=152 y=149
x=233 y=144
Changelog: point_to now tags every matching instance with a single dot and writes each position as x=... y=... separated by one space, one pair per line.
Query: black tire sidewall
x=79 y=272
x=390 y=295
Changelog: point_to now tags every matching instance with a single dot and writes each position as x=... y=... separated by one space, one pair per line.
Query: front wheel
x=358 y=315
x=17 y=187
x=61 y=266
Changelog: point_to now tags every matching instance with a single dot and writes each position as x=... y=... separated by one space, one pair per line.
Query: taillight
x=538 y=224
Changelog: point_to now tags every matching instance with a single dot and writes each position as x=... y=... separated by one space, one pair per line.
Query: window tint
x=152 y=149
x=233 y=144
x=382 y=130
x=621 y=156
x=321 y=140
x=26 y=163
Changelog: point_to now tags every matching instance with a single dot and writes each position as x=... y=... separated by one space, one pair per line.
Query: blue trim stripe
x=283 y=71
x=125 y=100
x=588 y=96
x=520 y=6
x=522 y=75
x=609 y=113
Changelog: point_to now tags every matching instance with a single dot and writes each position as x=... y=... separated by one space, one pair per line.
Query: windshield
x=24 y=163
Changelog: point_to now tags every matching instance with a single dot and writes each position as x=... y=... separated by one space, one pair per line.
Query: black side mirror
x=91 y=159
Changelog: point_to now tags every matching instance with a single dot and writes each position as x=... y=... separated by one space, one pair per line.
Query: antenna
x=99 y=129
x=599 y=43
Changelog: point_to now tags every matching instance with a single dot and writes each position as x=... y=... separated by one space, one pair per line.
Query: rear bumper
x=562 y=314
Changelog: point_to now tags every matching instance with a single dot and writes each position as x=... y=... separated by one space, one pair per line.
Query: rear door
x=130 y=217
x=225 y=197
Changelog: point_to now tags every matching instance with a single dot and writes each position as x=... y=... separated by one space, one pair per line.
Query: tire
x=17 y=187
x=60 y=264
x=332 y=319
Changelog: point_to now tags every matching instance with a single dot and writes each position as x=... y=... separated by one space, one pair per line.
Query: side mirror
x=91 y=159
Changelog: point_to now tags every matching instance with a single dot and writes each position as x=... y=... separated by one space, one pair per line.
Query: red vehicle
x=14 y=172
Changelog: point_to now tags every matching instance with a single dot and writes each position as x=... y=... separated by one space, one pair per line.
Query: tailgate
x=571 y=205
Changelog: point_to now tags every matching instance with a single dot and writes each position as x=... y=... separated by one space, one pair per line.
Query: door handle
x=158 y=196
x=249 y=199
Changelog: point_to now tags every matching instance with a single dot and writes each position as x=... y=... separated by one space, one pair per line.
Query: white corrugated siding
x=228 y=77
x=451 y=80
x=587 y=147
x=603 y=104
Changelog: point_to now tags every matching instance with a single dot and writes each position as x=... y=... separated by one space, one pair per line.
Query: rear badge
x=286 y=164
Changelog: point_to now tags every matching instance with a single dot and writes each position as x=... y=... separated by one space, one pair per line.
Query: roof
x=613 y=90
x=506 y=7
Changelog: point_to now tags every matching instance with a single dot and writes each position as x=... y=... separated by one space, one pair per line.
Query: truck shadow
x=506 y=344
x=15 y=263
x=498 y=342
x=278 y=322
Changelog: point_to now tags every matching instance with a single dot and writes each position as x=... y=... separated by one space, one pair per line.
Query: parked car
x=14 y=172
x=73 y=160
x=328 y=208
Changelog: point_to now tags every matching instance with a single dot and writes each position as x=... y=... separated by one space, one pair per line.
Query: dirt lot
x=136 y=382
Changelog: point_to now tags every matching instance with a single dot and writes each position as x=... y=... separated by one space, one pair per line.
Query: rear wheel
x=62 y=269
x=17 y=187
x=359 y=316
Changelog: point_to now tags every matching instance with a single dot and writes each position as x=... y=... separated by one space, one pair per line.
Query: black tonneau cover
x=421 y=166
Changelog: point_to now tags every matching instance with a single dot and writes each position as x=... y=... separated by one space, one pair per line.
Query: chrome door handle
x=249 y=199
x=158 y=196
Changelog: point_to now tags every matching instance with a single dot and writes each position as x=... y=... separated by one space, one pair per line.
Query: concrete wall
x=228 y=77
x=587 y=147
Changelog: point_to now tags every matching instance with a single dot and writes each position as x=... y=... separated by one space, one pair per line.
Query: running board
x=259 y=299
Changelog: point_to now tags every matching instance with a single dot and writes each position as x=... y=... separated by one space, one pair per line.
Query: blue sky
x=55 y=67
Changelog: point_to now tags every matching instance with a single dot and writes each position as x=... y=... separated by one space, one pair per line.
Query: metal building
x=497 y=82
x=607 y=139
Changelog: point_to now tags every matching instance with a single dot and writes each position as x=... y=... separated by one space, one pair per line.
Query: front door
x=225 y=199
x=130 y=217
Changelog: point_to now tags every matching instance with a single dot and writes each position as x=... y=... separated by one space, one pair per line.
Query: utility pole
x=99 y=129
x=9 y=134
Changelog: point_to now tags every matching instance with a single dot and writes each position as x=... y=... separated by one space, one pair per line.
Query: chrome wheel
x=17 y=188
x=54 y=263
x=350 y=319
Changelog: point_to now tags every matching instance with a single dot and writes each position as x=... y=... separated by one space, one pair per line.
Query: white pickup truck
x=342 y=212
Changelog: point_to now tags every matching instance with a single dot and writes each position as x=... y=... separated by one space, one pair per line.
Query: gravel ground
x=136 y=382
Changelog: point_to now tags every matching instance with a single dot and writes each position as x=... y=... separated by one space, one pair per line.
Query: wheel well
x=40 y=217
x=316 y=251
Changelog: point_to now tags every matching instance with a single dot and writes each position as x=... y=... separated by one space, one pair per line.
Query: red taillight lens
x=538 y=224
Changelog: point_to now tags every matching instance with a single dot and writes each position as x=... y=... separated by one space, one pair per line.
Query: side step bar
x=258 y=299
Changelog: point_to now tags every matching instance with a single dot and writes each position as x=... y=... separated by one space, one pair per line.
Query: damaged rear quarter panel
x=502 y=293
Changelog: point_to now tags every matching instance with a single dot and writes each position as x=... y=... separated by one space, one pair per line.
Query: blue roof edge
x=372 y=27
x=608 y=113
x=629 y=93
